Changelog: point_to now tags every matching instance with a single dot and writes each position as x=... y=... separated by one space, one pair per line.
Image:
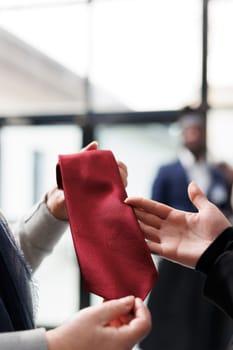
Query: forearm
x=38 y=233
x=26 y=340
x=217 y=264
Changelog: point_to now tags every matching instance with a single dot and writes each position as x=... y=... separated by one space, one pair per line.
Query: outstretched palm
x=178 y=235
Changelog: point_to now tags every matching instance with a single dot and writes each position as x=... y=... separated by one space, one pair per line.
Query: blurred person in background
x=181 y=319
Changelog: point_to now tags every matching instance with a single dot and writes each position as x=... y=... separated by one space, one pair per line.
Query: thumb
x=90 y=147
x=196 y=196
x=113 y=309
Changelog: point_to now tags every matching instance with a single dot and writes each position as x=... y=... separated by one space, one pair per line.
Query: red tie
x=113 y=256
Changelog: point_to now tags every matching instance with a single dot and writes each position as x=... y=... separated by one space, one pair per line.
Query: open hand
x=178 y=235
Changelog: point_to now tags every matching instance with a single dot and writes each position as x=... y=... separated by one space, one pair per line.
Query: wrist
x=54 y=340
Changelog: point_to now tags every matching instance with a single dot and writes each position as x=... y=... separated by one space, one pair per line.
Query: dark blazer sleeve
x=217 y=264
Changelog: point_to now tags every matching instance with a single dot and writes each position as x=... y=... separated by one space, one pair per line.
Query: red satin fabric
x=113 y=257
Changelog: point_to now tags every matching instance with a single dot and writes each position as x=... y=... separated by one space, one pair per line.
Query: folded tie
x=113 y=256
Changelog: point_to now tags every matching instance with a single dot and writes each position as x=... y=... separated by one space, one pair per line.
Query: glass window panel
x=146 y=54
x=29 y=155
x=219 y=132
x=142 y=148
x=24 y=4
x=43 y=59
x=220 y=56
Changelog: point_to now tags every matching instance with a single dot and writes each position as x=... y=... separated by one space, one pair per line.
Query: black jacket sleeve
x=217 y=264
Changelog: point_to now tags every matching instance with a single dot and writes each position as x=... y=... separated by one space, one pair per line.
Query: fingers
x=140 y=326
x=148 y=219
x=122 y=166
x=127 y=333
x=122 y=320
x=196 y=196
x=154 y=247
x=114 y=309
x=150 y=232
x=55 y=202
x=90 y=147
x=123 y=171
x=150 y=206
x=141 y=312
